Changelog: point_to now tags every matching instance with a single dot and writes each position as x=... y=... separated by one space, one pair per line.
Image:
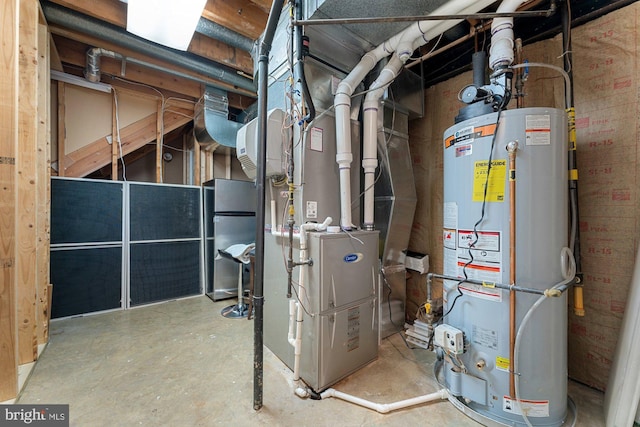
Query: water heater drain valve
x=450 y=339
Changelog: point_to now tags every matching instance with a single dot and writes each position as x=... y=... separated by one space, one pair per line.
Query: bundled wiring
x=124 y=171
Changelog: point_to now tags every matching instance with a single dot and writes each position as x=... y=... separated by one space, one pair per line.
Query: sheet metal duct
x=211 y=120
x=225 y=35
x=356 y=39
x=67 y=18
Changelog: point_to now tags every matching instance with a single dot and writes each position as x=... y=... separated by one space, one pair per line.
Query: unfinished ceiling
x=219 y=52
x=78 y=25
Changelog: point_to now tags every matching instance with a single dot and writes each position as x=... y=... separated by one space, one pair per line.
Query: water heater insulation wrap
x=482 y=313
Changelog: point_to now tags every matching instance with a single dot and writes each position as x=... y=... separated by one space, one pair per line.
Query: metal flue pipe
x=258 y=290
x=58 y=15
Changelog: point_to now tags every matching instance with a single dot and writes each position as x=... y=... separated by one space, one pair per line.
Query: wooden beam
x=265 y=5
x=159 y=135
x=56 y=63
x=44 y=186
x=115 y=12
x=73 y=54
x=26 y=164
x=62 y=130
x=145 y=91
x=97 y=154
x=8 y=148
x=217 y=51
x=115 y=145
x=242 y=16
x=112 y=11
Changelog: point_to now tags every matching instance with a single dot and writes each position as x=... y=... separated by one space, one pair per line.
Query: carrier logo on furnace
x=353 y=258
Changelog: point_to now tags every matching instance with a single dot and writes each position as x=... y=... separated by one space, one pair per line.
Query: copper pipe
x=454 y=43
x=519 y=75
x=512 y=147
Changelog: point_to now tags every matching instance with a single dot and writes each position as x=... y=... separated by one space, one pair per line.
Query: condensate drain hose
x=568 y=265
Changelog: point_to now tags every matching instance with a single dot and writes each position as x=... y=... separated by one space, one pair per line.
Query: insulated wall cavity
x=473 y=216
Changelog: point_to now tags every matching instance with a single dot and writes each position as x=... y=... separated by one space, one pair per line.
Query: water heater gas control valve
x=449 y=338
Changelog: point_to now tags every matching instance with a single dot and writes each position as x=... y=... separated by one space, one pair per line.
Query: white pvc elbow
x=501 y=52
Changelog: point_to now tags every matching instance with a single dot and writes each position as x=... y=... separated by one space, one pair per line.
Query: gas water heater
x=476 y=337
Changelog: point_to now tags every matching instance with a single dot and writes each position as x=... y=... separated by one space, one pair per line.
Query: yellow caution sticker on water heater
x=502 y=363
x=495 y=184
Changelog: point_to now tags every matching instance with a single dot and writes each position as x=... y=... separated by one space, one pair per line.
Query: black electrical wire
x=482 y=213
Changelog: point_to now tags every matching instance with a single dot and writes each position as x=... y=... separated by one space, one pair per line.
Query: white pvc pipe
x=370 y=131
x=623 y=389
x=501 y=52
x=384 y=408
x=342 y=100
x=296 y=306
x=409 y=40
x=423 y=31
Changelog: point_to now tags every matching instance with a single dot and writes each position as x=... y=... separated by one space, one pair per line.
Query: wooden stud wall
x=24 y=188
x=8 y=146
x=159 y=138
x=115 y=141
x=43 y=184
x=62 y=131
x=26 y=165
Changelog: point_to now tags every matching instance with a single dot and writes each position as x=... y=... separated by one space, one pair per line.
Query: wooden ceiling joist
x=242 y=16
x=73 y=52
x=93 y=41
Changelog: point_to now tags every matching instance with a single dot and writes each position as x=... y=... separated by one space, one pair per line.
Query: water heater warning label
x=479 y=257
x=538 y=129
x=495 y=183
x=531 y=408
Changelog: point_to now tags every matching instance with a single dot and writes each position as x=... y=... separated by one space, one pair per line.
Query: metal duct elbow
x=211 y=120
x=92 y=69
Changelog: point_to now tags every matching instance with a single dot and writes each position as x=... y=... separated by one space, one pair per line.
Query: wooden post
x=159 y=142
x=227 y=164
x=8 y=148
x=197 y=155
x=44 y=184
x=208 y=169
x=62 y=132
x=26 y=163
x=115 y=141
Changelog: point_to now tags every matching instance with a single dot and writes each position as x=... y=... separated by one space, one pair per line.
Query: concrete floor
x=181 y=364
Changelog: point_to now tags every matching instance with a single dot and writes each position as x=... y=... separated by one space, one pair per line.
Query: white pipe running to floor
x=411 y=39
x=342 y=101
x=384 y=408
x=295 y=307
